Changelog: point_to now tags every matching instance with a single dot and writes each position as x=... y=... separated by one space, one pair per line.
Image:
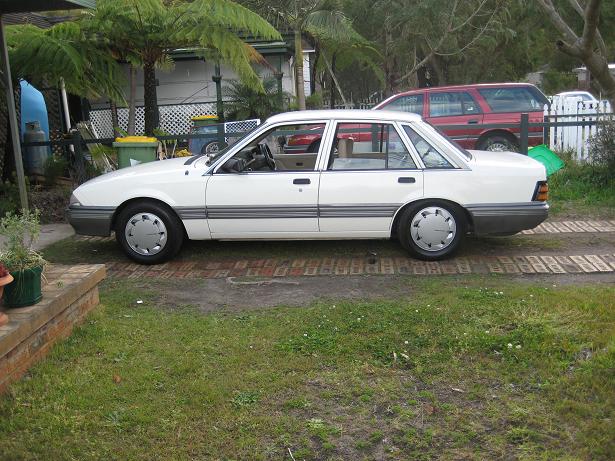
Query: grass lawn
x=485 y=369
x=582 y=191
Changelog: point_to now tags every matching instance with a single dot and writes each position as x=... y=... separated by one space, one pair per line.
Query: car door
x=362 y=189
x=261 y=202
x=456 y=108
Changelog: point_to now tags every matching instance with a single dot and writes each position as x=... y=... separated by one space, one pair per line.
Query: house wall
x=190 y=81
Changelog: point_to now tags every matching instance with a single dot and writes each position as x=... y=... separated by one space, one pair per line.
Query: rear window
x=514 y=99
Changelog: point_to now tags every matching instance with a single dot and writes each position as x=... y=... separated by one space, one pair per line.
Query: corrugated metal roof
x=28 y=6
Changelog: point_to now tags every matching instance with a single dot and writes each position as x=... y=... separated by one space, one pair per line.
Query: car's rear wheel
x=432 y=230
x=498 y=143
x=148 y=232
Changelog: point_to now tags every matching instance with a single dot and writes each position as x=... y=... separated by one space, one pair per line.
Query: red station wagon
x=479 y=104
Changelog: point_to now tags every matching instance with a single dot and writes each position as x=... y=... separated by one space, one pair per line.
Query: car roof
x=462 y=87
x=337 y=114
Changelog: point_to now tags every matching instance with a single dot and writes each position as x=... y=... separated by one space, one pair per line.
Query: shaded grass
x=582 y=190
x=515 y=372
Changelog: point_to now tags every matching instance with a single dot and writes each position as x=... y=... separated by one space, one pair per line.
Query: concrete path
x=50 y=233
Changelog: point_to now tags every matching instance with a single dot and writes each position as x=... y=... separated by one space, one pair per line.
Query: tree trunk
x=115 y=122
x=132 y=99
x=332 y=82
x=152 y=117
x=300 y=83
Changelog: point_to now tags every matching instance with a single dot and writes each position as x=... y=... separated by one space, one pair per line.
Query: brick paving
x=528 y=264
x=572 y=227
x=525 y=264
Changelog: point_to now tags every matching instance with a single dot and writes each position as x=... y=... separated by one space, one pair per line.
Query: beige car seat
x=345 y=147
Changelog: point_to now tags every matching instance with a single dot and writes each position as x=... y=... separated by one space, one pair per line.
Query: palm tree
x=64 y=52
x=245 y=102
x=322 y=20
x=157 y=27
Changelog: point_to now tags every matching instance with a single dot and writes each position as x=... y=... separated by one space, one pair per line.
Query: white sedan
x=374 y=175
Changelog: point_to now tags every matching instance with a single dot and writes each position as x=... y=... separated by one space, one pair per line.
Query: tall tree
x=588 y=46
x=323 y=19
x=64 y=51
x=160 y=26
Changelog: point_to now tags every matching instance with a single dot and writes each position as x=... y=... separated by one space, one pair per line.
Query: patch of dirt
x=230 y=294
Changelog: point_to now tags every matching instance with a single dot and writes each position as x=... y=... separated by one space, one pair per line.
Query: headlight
x=73 y=201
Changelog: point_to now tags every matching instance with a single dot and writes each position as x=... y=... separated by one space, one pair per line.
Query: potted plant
x=20 y=259
x=5 y=279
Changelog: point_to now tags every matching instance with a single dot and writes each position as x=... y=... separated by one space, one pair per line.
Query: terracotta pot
x=5 y=281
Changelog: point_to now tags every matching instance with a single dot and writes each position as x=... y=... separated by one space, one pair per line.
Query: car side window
x=292 y=147
x=369 y=146
x=515 y=99
x=411 y=103
x=448 y=104
x=429 y=154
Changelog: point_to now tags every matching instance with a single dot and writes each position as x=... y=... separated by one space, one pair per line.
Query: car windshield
x=213 y=159
x=452 y=143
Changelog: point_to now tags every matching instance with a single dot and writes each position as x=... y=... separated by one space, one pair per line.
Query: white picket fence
x=574 y=138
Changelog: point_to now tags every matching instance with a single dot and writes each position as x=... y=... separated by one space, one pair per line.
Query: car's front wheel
x=432 y=230
x=148 y=232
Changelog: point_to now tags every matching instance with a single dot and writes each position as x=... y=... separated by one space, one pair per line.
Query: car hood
x=504 y=159
x=143 y=169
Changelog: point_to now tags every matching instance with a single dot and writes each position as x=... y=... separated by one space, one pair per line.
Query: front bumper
x=91 y=220
x=507 y=218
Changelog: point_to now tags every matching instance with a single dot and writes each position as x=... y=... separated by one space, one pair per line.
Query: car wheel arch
x=498 y=132
x=131 y=201
x=398 y=214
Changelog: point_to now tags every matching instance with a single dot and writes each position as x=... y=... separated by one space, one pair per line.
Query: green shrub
x=602 y=147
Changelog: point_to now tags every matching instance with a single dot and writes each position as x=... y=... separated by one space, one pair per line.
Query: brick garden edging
x=276 y=267
x=69 y=294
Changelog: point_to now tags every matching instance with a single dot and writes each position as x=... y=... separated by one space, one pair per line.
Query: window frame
x=324 y=141
x=422 y=96
x=530 y=90
x=463 y=109
x=441 y=147
x=418 y=166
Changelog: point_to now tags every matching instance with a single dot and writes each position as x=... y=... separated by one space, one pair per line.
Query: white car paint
x=247 y=205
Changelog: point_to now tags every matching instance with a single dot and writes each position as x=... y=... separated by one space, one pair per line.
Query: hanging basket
x=25 y=290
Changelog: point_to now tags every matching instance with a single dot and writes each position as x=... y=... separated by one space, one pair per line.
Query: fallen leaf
x=117 y=379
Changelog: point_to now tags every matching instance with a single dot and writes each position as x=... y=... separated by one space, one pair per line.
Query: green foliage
x=55 y=167
x=245 y=102
x=602 y=147
x=9 y=197
x=20 y=232
x=156 y=27
x=314 y=101
x=555 y=81
x=64 y=51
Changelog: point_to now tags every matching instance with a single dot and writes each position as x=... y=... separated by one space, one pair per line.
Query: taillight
x=541 y=194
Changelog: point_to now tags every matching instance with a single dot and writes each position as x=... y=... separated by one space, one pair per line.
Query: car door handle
x=406 y=180
x=301 y=181
x=472 y=122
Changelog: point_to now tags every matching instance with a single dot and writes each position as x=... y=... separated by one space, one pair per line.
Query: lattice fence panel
x=174 y=119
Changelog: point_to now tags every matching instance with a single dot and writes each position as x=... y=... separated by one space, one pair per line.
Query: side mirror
x=234 y=165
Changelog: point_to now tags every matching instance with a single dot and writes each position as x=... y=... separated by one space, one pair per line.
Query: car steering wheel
x=264 y=150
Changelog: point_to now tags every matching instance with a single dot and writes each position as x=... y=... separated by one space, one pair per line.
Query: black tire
x=172 y=224
x=408 y=218
x=498 y=143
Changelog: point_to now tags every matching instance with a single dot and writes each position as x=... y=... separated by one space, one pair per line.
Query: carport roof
x=21 y=6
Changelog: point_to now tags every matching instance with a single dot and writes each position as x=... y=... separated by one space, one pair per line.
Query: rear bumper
x=93 y=220
x=507 y=218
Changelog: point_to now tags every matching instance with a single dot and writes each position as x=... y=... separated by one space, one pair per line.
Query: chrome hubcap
x=146 y=234
x=433 y=229
x=498 y=147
